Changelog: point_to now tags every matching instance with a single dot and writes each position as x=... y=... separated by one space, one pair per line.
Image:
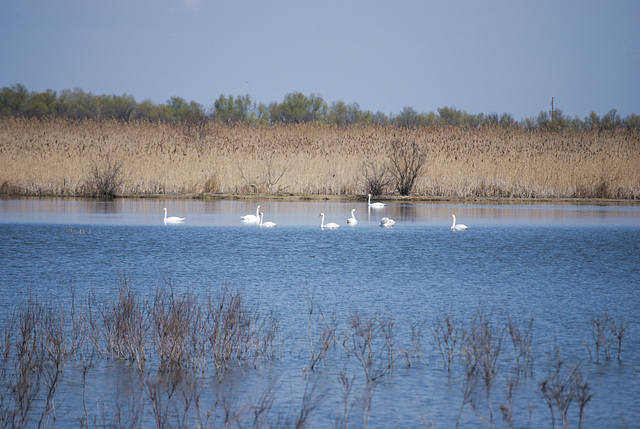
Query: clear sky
x=478 y=56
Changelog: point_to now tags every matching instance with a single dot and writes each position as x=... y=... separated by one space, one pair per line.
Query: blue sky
x=477 y=56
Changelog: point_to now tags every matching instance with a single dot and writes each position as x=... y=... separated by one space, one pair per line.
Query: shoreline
x=392 y=199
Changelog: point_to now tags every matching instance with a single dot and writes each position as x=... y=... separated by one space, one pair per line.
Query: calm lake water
x=556 y=264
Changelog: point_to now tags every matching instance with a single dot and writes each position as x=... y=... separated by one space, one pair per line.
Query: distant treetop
x=17 y=101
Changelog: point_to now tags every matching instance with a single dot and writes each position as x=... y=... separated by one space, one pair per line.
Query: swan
x=374 y=205
x=458 y=227
x=328 y=225
x=386 y=222
x=252 y=218
x=172 y=219
x=352 y=220
x=266 y=224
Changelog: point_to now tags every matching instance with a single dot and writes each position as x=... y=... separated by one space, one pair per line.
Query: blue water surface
x=557 y=265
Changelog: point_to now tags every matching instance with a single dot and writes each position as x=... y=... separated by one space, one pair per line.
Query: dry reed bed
x=56 y=157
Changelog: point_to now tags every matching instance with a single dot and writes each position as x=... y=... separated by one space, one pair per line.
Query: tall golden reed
x=56 y=157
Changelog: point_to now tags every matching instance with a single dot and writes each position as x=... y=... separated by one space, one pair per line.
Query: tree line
x=17 y=101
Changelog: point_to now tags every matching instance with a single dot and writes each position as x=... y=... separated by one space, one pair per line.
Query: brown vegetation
x=64 y=157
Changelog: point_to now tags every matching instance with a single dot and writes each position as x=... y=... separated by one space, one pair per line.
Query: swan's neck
x=165 y=214
x=322 y=221
x=453 y=224
x=369 y=199
x=258 y=212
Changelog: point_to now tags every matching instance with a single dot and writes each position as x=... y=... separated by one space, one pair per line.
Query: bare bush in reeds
x=407 y=160
x=375 y=178
x=55 y=157
x=105 y=178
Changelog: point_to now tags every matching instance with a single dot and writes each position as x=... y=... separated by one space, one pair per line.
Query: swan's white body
x=352 y=220
x=252 y=218
x=172 y=219
x=458 y=227
x=266 y=224
x=386 y=222
x=330 y=225
x=374 y=205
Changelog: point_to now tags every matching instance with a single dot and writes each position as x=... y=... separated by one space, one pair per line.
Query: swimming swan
x=459 y=227
x=330 y=225
x=172 y=219
x=266 y=224
x=374 y=205
x=386 y=222
x=352 y=220
x=252 y=218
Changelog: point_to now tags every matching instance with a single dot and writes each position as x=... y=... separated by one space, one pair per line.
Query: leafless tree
x=105 y=178
x=407 y=160
x=376 y=177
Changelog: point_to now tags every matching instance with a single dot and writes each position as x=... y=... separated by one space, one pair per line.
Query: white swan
x=352 y=220
x=252 y=218
x=386 y=222
x=374 y=205
x=328 y=225
x=266 y=224
x=458 y=227
x=172 y=219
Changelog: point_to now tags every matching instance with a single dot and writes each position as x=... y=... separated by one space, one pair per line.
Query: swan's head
x=452 y=217
x=321 y=215
x=165 y=209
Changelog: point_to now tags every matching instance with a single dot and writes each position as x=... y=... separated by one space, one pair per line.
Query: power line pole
x=552 y=108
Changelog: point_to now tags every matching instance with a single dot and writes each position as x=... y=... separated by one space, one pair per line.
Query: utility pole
x=552 y=108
